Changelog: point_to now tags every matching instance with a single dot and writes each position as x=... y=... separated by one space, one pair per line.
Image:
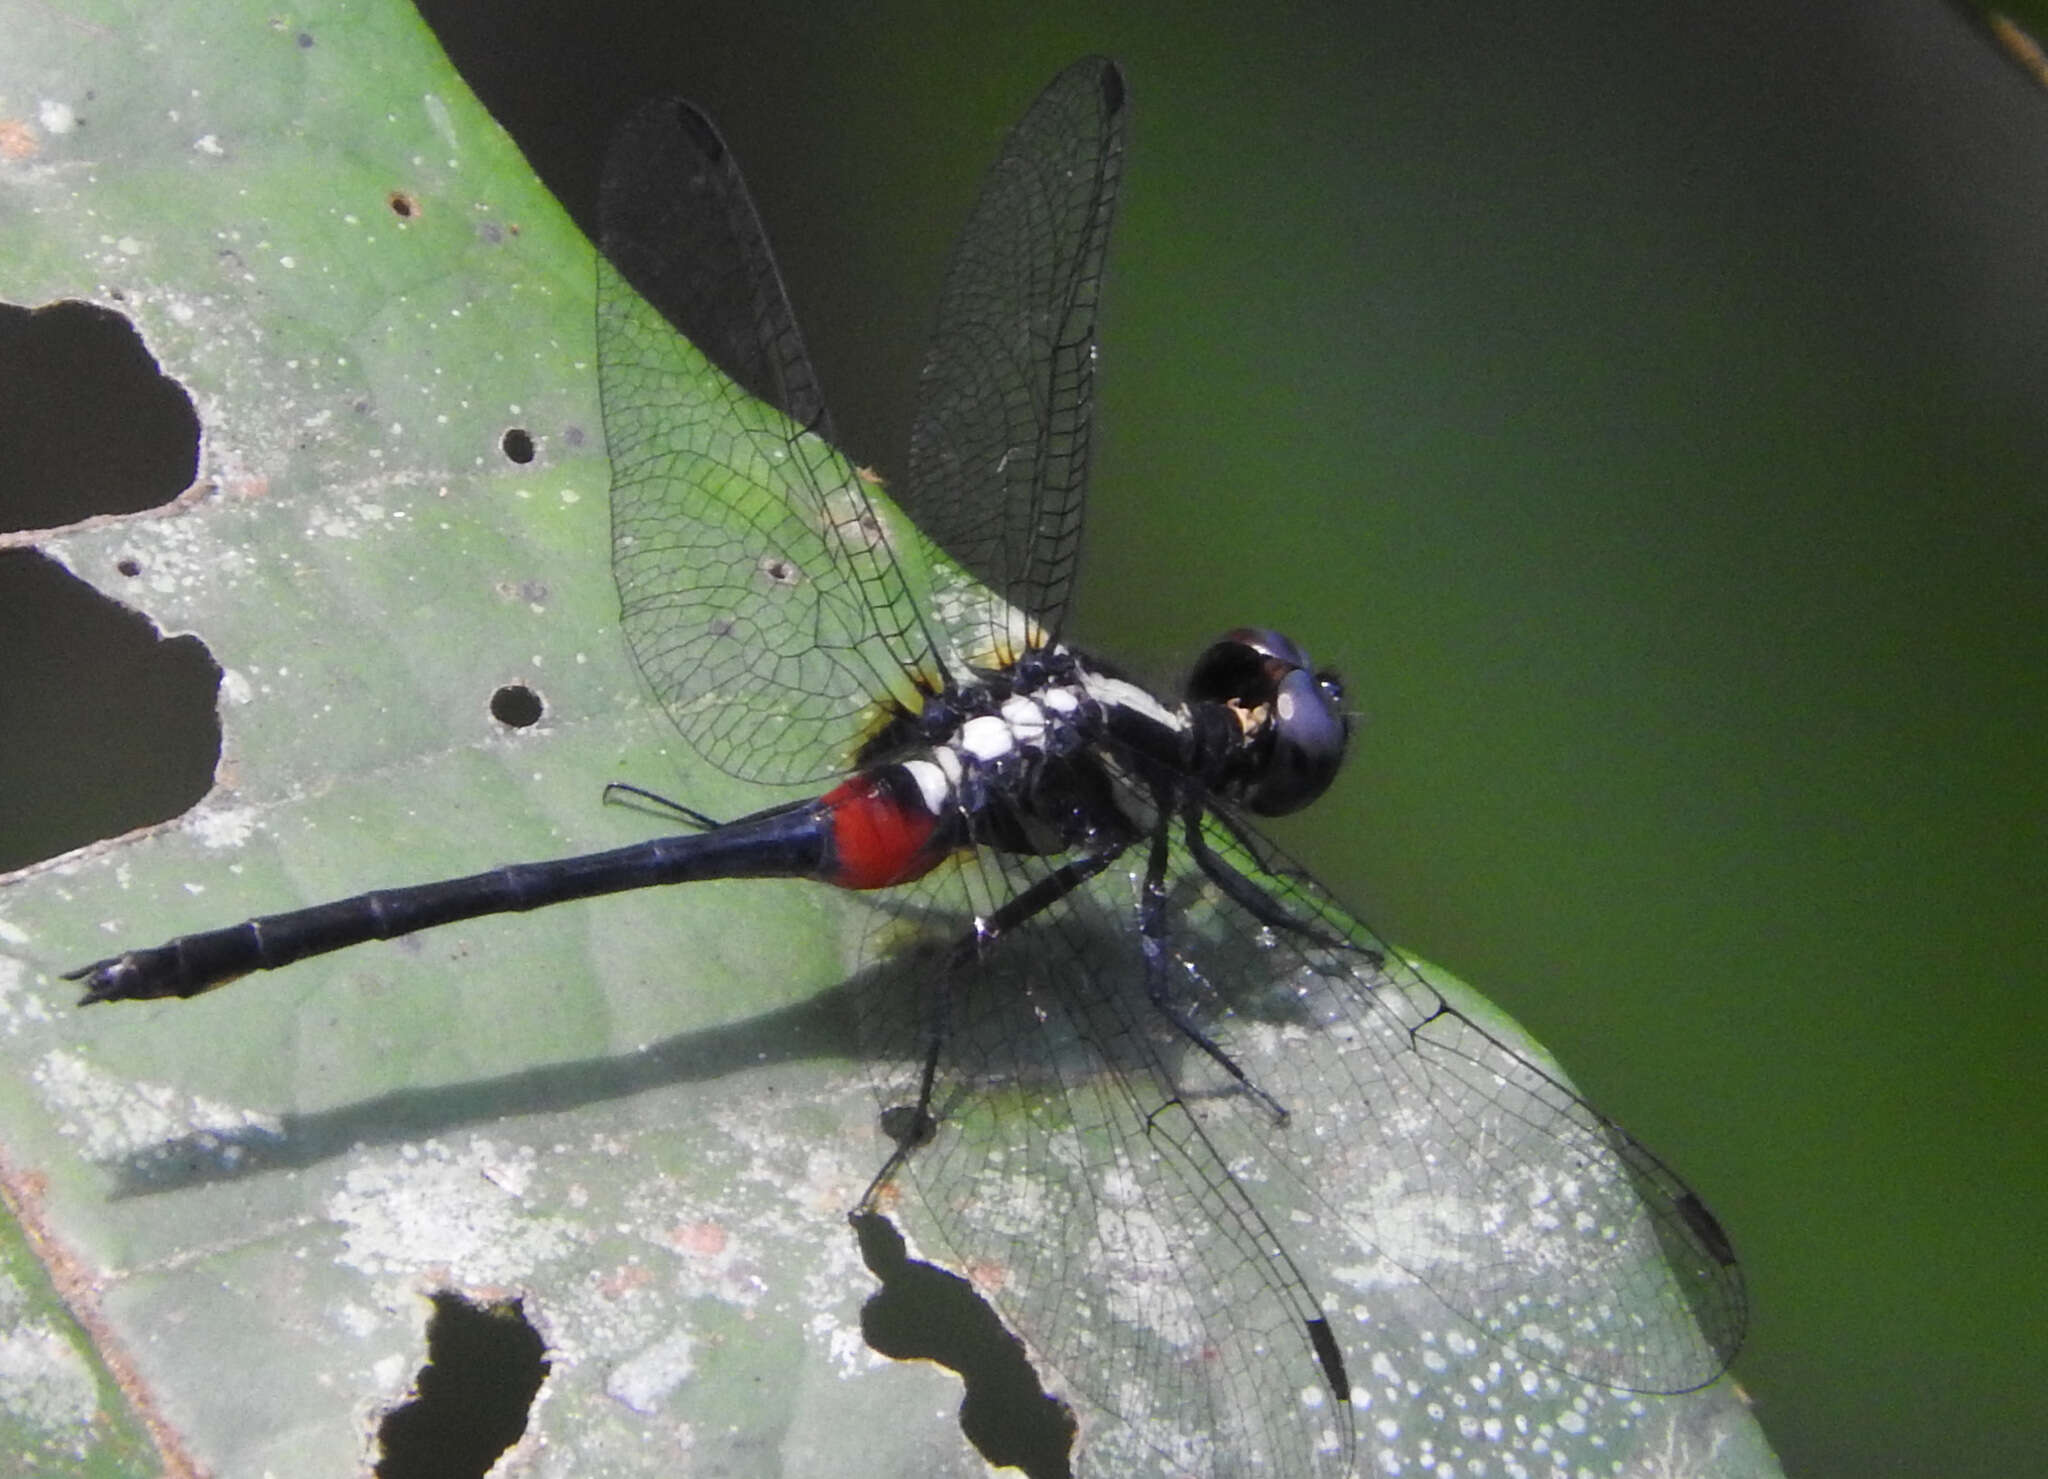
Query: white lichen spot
x=56 y=117
x=1134 y=1246
x=128 y=246
x=845 y=1346
x=235 y=687
x=1015 y=1204
x=219 y=827
x=432 y=1206
x=358 y=1320
x=44 y=1383
x=642 y=1380
x=209 y=144
x=116 y=1117
x=19 y=1006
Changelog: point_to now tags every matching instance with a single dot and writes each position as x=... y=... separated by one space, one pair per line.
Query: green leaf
x=641 y=1116
x=605 y=1109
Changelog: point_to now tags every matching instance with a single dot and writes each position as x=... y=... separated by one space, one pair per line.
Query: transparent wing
x=1162 y=1239
x=1457 y=1157
x=999 y=448
x=1083 y=1195
x=758 y=583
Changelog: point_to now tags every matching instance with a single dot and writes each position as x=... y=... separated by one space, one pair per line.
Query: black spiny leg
x=1152 y=929
x=1041 y=896
x=1247 y=895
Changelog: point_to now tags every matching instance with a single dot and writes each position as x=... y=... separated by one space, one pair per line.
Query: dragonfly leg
x=1152 y=930
x=1249 y=897
x=694 y=817
x=688 y=814
x=1042 y=895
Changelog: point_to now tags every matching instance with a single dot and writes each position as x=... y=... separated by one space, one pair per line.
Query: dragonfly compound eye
x=1298 y=714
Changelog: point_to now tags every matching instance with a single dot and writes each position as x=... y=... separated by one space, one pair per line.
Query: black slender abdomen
x=785 y=843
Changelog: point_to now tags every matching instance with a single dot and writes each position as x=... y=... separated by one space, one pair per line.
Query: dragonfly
x=1128 y=1052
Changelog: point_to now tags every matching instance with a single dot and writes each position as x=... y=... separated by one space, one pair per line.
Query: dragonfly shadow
x=819 y=1027
x=837 y=1023
x=826 y=1026
x=920 y=1312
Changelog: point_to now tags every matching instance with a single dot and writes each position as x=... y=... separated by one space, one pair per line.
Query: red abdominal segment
x=880 y=836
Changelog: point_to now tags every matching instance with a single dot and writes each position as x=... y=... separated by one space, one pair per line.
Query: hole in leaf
x=85 y=677
x=130 y=566
x=518 y=445
x=516 y=706
x=923 y=1313
x=402 y=205
x=91 y=425
x=485 y=1363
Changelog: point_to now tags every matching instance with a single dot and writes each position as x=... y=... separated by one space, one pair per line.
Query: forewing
x=758 y=583
x=999 y=448
x=1442 y=1149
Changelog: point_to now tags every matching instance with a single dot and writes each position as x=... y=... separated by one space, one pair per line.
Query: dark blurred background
x=1644 y=407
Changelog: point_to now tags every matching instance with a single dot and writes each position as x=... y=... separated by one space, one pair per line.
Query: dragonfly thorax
x=995 y=735
x=1057 y=752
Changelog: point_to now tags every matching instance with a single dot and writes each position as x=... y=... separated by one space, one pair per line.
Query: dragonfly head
x=1292 y=715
